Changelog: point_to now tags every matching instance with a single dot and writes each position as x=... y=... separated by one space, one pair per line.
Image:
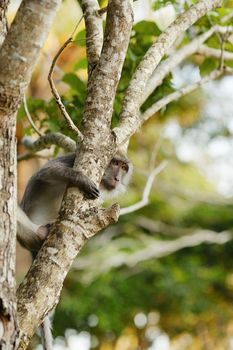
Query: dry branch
x=55 y=93
x=147 y=189
x=151 y=248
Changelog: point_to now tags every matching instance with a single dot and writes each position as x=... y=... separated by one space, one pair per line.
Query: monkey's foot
x=42 y=231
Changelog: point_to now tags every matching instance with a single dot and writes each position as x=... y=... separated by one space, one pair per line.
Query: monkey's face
x=116 y=176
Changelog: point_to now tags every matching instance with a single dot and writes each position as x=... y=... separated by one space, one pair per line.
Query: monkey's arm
x=42 y=198
x=30 y=235
x=58 y=171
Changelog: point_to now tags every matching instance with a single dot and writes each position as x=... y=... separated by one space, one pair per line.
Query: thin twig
x=221 y=61
x=145 y=196
x=55 y=93
x=30 y=117
x=155 y=150
x=76 y=27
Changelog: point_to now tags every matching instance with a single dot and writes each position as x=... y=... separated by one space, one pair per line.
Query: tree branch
x=46 y=141
x=29 y=116
x=55 y=93
x=151 y=248
x=160 y=249
x=179 y=93
x=130 y=120
x=19 y=56
x=94 y=30
x=166 y=66
x=145 y=196
x=215 y=53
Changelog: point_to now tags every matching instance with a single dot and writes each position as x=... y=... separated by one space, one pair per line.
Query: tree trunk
x=8 y=327
x=18 y=55
x=3 y=20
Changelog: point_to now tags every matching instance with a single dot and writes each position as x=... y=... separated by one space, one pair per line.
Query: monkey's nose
x=117 y=179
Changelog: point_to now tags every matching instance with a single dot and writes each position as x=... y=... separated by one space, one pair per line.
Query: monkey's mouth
x=109 y=185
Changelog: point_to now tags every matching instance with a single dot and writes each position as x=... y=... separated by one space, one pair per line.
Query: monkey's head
x=116 y=176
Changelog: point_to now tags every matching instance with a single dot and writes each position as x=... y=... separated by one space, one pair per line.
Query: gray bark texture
x=94 y=32
x=17 y=60
x=8 y=326
x=3 y=20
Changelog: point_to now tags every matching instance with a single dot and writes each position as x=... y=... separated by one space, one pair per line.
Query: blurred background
x=162 y=277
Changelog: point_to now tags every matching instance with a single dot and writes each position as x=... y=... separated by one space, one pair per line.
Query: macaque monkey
x=44 y=192
x=42 y=200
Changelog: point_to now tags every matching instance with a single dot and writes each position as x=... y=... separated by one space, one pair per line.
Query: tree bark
x=94 y=32
x=3 y=20
x=8 y=326
x=18 y=55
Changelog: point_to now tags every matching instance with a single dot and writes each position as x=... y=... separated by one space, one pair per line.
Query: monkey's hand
x=90 y=189
x=87 y=186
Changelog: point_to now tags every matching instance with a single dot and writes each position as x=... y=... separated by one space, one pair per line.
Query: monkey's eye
x=125 y=167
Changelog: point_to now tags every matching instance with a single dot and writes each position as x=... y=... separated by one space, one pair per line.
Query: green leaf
x=208 y=66
x=80 y=38
x=21 y=113
x=146 y=28
x=81 y=64
x=228 y=64
x=74 y=82
x=53 y=125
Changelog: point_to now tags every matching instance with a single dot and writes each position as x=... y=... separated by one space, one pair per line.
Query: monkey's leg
x=30 y=235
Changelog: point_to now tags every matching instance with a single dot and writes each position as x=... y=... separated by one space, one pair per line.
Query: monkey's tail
x=46 y=334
